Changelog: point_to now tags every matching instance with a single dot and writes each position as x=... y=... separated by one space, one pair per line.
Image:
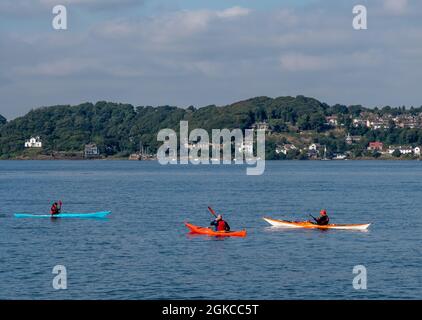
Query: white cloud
x=17 y=7
x=116 y=29
x=67 y=67
x=396 y=6
x=216 y=56
x=299 y=62
x=171 y=27
x=233 y=12
x=303 y=62
x=57 y=68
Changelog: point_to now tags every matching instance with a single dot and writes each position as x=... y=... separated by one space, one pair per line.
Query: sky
x=201 y=52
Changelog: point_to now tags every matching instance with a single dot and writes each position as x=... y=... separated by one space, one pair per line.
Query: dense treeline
x=118 y=128
x=115 y=128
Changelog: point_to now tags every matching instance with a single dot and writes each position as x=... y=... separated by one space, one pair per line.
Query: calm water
x=143 y=252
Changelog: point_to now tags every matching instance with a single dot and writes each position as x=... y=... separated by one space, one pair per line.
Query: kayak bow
x=102 y=214
x=210 y=232
x=310 y=225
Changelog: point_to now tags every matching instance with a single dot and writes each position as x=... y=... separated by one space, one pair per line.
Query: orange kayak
x=310 y=225
x=210 y=232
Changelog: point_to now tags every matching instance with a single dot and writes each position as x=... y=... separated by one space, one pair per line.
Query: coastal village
x=368 y=120
x=90 y=151
x=312 y=150
x=296 y=128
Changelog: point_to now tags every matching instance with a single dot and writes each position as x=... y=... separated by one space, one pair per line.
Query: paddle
x=212 y=212
x=314 y=218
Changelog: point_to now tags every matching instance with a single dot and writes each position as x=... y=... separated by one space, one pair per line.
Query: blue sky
x=200 y=52
x=142 y=7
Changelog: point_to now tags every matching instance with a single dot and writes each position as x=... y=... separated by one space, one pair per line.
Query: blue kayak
x=102 y=214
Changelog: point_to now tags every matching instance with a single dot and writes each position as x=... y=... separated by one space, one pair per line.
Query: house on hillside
x=33 y=143
x=261 y=126
x=285 y=148
x=376 y=124
x=332 y=120
x=376 y=146
x=313 y=151
x=408 y=121
x=91 y=151
x=314 y=147
x=357 y=122
x=352 y=139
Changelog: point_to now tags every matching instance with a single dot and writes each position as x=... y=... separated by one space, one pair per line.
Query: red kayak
x=210 y=232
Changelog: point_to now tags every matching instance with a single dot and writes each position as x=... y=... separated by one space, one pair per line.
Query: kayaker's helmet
x=323 y=212
x=219 y=217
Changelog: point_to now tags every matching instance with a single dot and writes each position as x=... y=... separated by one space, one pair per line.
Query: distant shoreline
x=149 y=160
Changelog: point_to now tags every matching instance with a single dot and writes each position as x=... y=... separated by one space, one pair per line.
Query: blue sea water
x=143 y=250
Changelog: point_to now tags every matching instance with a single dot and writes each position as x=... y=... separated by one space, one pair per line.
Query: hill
x=119 y=128
x=2 y=120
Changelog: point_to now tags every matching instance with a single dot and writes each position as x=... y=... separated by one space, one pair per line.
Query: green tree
x=317 y=122
x=270 y=153
x=119 y=128
x=376 y=154
x=261 y=115
x=292 y=154
x=396 y=153
x=303 y=122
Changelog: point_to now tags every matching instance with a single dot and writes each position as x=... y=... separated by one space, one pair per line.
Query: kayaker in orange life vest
x=323 y=219
x=220 y=224
x=56 y=208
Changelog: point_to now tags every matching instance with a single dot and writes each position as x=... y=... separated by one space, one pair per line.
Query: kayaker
x=220 y=224
x=323 y=219
x=56 y=208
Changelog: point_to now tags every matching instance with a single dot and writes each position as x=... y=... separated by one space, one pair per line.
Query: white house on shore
x=91 y=151
x=33 y=143
x=405 y=150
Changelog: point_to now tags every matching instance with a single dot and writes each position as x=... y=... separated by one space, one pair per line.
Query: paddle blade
x=212 y=211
